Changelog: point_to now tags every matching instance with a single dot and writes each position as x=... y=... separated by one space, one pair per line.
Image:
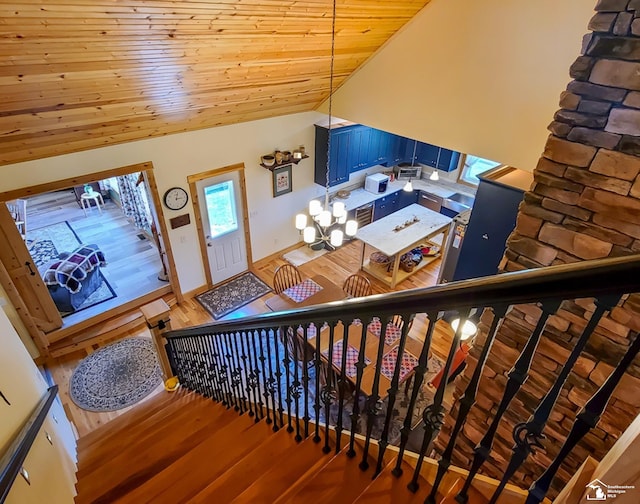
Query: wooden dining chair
x=18 y=210
x=357 y=286
x=286 y=276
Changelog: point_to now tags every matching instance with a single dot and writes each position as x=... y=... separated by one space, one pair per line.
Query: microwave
x=376 y=183
x=405 y=171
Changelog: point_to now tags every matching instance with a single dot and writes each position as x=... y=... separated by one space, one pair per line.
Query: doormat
x=116 y=376
x=232 y=295
x=303 y=255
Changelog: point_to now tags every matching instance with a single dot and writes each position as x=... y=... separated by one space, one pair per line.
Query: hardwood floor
x=336 y=266
x=133 y=263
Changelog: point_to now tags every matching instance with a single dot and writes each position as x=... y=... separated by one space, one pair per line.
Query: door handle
x=485 y=236
x=28 y=265
x=209 y=244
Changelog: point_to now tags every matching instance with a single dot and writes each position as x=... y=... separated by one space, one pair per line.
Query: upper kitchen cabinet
x=434 y=156
x=340 y=155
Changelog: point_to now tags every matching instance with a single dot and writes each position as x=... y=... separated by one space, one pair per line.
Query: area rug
x=103 y=293
x=302 y=255
x=116 y=376
x=61 y=235
x=233 y=294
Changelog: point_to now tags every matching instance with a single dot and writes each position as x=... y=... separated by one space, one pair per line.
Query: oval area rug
x=116 y=376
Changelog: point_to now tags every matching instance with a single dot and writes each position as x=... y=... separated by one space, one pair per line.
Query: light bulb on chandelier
x=329 y=224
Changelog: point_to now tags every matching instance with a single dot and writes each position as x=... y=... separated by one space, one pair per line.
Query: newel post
x=156 y=314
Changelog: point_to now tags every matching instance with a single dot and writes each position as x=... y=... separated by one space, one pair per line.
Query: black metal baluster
x=528 y=436
x=246 y=369
x=207 y=389
x=236 y=376
x=434 y=413
x=373 y=405
x=252 y=379
x=295 y=391
x=355 y=413
x=265 y=377
x=393 y=388
x=305 y=380
x=213 y=369
x=255 y=360
x=284 y=332
x=316 y=407
x=224 y=372
x=328 y=392
x=467 y=401
x=237 y=394
x=586 y=419
x=420 y=370
x=189 y=355
x=271 y=386
x=517 y=376
x=342 y=384
x=278 y=365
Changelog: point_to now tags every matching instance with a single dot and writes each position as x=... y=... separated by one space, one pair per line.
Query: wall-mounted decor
x=179 y=221
x=282 y=180
x=282 y=158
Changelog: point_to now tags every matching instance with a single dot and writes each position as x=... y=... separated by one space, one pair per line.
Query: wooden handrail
x=12 y=460
x=564 y=281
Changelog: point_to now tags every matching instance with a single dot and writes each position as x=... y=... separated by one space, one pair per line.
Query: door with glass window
x=221 y=208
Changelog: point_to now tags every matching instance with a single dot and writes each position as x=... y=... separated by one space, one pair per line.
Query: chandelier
x=327 y=227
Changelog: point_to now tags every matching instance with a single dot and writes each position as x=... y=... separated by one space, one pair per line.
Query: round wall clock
x=175 y=198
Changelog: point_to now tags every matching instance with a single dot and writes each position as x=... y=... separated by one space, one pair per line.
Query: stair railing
x=263 y=365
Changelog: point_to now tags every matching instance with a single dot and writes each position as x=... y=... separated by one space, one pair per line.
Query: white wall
x=481 y=77
x=51 y=466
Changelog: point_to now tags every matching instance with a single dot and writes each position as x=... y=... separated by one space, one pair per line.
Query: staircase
x=182 y=447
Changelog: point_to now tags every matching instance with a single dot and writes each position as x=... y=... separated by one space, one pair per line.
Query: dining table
x=312 y=291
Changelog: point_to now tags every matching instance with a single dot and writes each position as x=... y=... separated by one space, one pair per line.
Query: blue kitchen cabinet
x=361 y=154
x=385 y=206
x=448 y=160
x=407 y=198
x=340 y=155
x=398 y=150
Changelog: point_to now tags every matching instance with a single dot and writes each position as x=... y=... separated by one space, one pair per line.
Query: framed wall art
x=282 y=180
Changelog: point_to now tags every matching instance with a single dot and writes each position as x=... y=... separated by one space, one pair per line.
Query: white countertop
x=381 y=235
x=359 y=197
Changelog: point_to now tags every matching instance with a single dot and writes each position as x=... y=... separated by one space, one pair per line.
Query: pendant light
x=408 y=187
x=327 y=227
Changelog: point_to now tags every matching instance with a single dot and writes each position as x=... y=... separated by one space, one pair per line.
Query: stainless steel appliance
x=430 y=201
x=405 y=171
x=452 y=247
x=376 y=183
x=364 y=215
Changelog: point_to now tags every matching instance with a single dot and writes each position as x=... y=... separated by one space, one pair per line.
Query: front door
x=222 y=211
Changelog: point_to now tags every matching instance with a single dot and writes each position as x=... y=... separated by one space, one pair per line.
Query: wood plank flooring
x=335 y=265
x=133 y=263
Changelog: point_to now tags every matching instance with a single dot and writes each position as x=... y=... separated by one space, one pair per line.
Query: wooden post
x=156 y=314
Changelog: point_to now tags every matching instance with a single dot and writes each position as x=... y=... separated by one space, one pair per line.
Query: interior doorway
x=221 y=214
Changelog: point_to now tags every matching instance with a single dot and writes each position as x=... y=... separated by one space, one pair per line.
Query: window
x=221 y=208
x=473 y=166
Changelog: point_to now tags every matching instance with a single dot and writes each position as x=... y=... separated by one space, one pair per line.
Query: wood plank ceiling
x=81 y=74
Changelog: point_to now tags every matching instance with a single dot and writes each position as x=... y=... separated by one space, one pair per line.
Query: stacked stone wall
x=584 y=204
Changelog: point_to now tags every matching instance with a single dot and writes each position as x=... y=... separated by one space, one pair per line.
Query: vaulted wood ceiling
x=80 y=74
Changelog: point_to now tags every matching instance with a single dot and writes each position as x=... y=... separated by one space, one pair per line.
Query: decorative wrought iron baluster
x=271 y=383
x=517 y=376
x=328 y=392
x=295 y=391
x=305 y=381
x=252 y=378
x=393 y=389
x=318 y=370
x=342 y=386
x=213 y=369
x=434 y=413
x=224 y=371
x=420 y=370
x=255 y=367
x=466 y=402
x=528 y=436
x=373 y=404
x=203 y=368
x=233 y=375
x=246 y=369
x=238 y=372
x=284 y=333
x=170 y=350
x=278 y=365
x=262 y=334
x=355 y=413
x=586 y=419
x=189 y=355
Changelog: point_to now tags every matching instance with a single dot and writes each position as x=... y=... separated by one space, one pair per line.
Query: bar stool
x=87 y=197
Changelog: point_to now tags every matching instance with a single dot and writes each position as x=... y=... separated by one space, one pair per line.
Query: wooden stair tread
x=271 y=485
x=186 y=476
x=341 y=480
x=146 y=431
x=136 y=464
x=234 y=481
x=386 y=488
x=139 y=411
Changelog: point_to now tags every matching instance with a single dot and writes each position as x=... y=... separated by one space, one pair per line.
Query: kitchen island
x=396 y=235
